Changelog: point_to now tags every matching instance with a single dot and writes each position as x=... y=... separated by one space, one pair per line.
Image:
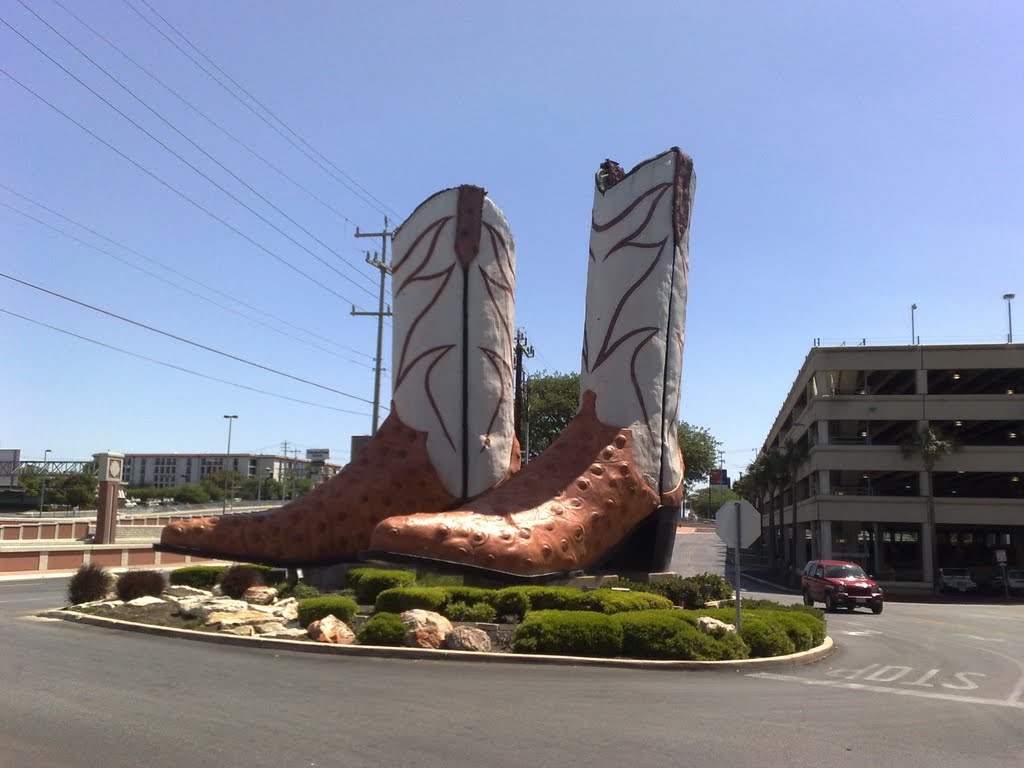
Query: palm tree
x=793 y=454
x=929 y=444
x=774 y=465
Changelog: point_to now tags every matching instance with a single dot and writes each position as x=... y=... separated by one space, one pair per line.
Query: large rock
x=289 y=633
x=260 y=595
x=146 y=600
x=287 y=609
x=426 y=628
x=201 y=607
x=245 y=630
x=331 y=629
x=467 y=639
x=711 y=626
x=183 y=590
x=227 y=619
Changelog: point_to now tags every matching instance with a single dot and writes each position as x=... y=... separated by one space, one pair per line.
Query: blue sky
x=852 y=159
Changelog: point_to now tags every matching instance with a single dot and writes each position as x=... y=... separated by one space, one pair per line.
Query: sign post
x=1001 y=560
x=738 y=525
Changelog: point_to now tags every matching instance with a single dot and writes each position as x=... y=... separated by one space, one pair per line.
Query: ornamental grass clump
x=133 y=584
x=90 y=582
x=238 y=578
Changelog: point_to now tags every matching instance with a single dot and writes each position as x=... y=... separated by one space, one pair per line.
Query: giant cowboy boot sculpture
x=606 y=493
x=449 y=435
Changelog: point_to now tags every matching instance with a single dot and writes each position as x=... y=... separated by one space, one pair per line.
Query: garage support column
x=927 y=553
x=826 y=539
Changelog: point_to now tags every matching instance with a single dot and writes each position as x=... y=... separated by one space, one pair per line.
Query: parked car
x=839 y=584
x=1014 y=582
x=956 y=580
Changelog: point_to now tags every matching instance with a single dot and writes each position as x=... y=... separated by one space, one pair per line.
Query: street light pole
x=42 y=495
x=913 y=336
x=231 y=420
x=1008 y=297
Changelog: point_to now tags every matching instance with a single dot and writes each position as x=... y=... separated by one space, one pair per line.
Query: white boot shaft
x=636 y=307
x=453 y=301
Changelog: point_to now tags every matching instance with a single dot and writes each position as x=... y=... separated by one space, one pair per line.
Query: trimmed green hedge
x=198 y=576
x=315 y=608
x=764 y=637
x=687 y=591
x=407 y=598
x=371 y=582
x=474 y=612
x=382 y=629
x=574 y=633
x=672 y=634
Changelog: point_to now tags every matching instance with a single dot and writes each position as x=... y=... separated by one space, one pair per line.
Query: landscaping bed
x=664 y=620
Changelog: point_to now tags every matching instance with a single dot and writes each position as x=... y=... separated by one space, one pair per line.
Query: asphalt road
x=921 y=686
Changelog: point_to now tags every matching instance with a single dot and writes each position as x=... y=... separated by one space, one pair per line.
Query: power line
x=209 y=119
x=174 y=189
x=182 y=339
x=227 y=192
x=373 y=202
x=174 y=128
x=179 y=273
x=178 y=367
x=182 y=288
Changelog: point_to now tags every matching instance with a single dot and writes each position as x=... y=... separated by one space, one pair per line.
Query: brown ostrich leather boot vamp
x=333 y=522
x=561 y=513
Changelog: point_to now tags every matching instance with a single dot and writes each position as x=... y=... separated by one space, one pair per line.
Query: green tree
x=793 y=455
x=30 y=479
x=552 y=401
x=191 y=493
x=77 y=489
x=698 y=447
x=930 y=446
x=215 y=483
x=706 y=502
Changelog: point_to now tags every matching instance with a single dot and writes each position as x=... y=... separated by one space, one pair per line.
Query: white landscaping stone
x=183 y=590
x=295 y=633
x=244 y=630
x=711 y=626
x=147 y=600
x=201 y=607
x=99 y=603
x=464 y=638
x=236 y=618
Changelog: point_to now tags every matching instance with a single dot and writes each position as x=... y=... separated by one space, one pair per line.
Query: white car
x=956 y=580
x=1014 y=580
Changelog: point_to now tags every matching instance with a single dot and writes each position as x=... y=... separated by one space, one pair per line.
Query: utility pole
x=295 y=454
x=381 y=264
x=284 y=450
x=522 y=349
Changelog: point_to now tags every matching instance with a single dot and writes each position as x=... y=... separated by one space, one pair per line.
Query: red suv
x=839 y=584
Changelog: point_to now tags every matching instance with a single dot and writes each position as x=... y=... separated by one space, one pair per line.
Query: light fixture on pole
x=231 y=420
x=42 y=495
x=913 y=334
x=1008 y=297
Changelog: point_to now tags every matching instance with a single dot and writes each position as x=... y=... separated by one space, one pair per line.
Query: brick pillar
x=109 y=465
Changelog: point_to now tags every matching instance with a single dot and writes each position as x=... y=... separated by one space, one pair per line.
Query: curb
x=800 y=659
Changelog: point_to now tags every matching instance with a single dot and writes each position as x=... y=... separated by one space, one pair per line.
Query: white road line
x=1012 y=703
x=983 y=639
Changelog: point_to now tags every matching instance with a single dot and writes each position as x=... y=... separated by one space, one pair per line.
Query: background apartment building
x=858 y=495
x=168 y=470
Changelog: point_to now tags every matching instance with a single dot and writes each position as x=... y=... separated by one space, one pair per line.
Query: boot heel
x=645 y=549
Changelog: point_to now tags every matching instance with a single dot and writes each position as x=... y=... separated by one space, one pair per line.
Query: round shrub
x=471 y=595
x=133 y=584
x=198 y=576
x=90 y=582
x=382 y=629
x=315 y=608
x=765 y=638
x=238 y=578
x=804 y=630
x=666 y=634
x=402 y=599
x=574 y=633
x=373 y=582
x=511 y=603
x=475 y=612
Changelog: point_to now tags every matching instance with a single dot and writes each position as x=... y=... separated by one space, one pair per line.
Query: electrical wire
x=183 y=288
x=227 y=192
x=220 y=165
x=174 y=271
x=174 y=189
x=373 y=202
x=181 y=338
x=178 y=367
